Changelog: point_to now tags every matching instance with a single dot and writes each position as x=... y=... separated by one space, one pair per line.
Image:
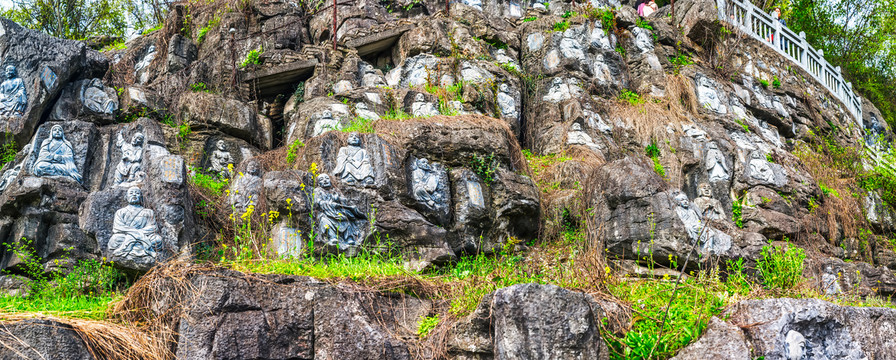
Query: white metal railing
x=762 y=26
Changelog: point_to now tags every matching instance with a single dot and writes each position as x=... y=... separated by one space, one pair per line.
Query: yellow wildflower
x=313 y=168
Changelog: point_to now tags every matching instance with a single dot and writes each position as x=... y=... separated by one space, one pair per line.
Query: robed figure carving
x=134 y=232
x=13 y=97
x=339 y=223
x=353 y=163
x=56 y=157
x=130 y=167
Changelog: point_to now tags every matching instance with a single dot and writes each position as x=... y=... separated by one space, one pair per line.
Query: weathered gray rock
x=798 y=329
x=530 y=321
x=230 y=116
x=42 y=339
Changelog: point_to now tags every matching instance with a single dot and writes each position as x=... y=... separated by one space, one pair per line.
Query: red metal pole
x=334 y=25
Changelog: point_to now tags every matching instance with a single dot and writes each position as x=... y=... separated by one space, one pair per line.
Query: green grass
x=212 y=185
x=631 y=97
x=292 y=151
x=360 y=125
x=91 y=306
x=426 y=325
x=781 y=267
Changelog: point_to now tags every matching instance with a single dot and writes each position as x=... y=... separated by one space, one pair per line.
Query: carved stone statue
x=95 y=98
x=353 y=163
x=707 y=95
x=142 y=65
x=9 y=176
x=248 y=188
x=428 y=185
x=325 y=122
x=339 y=223
x=830 y=282
x=577 y=136
x=220 y=159
x=56 y=157
x=13 y=97
x=709 y=240
x=421 y=107
x=643 y=41
x=364 y=112
x=134 y=233
x=130 y=168
x=795 y=346
x=507 y=103
x=708 y=206
x=760 y=169
x=716 y=166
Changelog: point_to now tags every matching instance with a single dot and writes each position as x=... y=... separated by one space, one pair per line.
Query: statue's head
x=252 y=168
x=323 y=180
x=682 y=200
x=138 y=139
x=361 y=106
x=576 y=127
x=222 y=145
x=419 y=97
x=423 y=164
x=56 y=131
x=10 y=71
x=705 y=190
x=327 y=114
x=712 y=145
x=135 y=196
x=557 y=81
x=795 y=345
x=504 y=88
x=756 y=155
x=354 y=139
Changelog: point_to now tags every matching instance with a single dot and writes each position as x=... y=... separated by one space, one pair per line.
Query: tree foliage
x=80 y=19
x=71 y=19
x=856 y=35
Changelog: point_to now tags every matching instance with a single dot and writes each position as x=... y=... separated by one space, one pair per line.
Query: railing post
x=776 y=39
x=804 y=51
x=748 y=17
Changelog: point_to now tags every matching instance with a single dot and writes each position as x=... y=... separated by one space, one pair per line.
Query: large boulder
x=42 y=339
x=798 y=329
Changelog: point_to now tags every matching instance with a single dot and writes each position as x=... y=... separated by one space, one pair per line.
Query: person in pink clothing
x=648 y=8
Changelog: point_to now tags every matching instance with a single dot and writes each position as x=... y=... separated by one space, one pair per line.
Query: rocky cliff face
x=410 y=135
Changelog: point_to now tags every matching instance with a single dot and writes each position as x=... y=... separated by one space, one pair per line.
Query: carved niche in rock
x=56 y=157
x=429 y=184
x=135 y=235
x=420 y=107
x=220 y=159
x=709 y=240
x=760 y=169
x=130 y=168
x=13 y=97
x=507 y=103
x=709 y=207
x=339 y=223
x=716 y=166
x=353 y=164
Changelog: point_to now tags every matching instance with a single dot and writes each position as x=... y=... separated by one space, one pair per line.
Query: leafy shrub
x=776 y=83
x=631 y=97
x=8 y=152
x=252 y=58
x=485 y=167
x=652 y=150
x=359 y=124
x=211 y=184
x=781 y=267
x=737 y=208
x=644 y=24
x=427 y=324
x=292 y=151
x=531 y=18
x=199 y=87
x=764 y=83
x=561 y=26
x=680 y=60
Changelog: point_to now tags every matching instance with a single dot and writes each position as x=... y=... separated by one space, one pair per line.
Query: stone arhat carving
x=506 y=102
x=134 y=232
x=220 y=158
x=130 y=167
x=95 y=98
x=716 y=166
x=353 y=163
x=760 y=169
x=13 y=97
x=338 y=222
x=421 y=107
x=56 y=157
x=427 y=184
x=707 y=206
